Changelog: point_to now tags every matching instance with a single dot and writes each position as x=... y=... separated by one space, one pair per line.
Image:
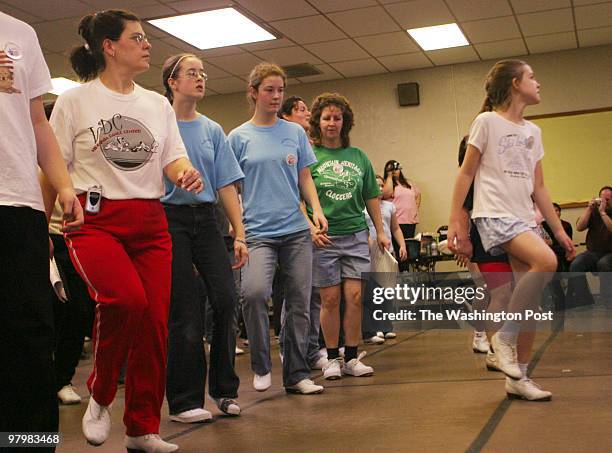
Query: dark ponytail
x=171 y=67
x=88 y=60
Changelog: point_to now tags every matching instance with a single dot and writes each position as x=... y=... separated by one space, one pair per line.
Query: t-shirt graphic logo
x=338 y=168
x=291 y=159
x=125 y=142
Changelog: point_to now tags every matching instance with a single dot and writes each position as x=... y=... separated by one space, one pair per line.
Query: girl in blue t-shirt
x=274 y=155
x=197 y=241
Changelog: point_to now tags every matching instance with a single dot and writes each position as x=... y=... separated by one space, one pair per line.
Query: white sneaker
x=262 y=383
x=332 y=370
x=149 y=443
x=374 y=340
x=320 y=363
x=239 y=351
x=228 y=406
x=390 y=335
x=505 y=353
x=480 y=344
x=491 y=361
x=354 y=367
x=96 y=422
x=380 y=334
x=526 y=389
x=67 y=395
x=197 y=415
x=246 y=343
x=305 y=387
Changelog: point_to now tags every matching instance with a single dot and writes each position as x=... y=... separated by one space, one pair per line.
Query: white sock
x=509 y=331
x=523 y=367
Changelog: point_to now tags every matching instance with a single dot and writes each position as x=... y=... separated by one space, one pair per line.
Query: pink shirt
x=404 y=200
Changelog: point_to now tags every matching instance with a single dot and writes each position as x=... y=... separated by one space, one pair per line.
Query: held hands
x=319 y=238
x=319 y=220
x=72 y=211
x=190 y=180
x=241 y=253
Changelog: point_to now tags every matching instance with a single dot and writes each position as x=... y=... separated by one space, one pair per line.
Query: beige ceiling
x=343 y=38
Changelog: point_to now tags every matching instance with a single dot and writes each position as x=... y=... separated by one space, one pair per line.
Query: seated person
x=598 y=256
x=563 y=264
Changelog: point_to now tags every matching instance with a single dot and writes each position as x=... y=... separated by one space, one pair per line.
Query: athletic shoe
x=390 y=335
x=374 y=340
x=505 y=353
x=239 y=351
x=480 y=344
x=305 y=387
x=491 y=361
x=246 y=343
x=355 y=368
x=67 y=395
x=96 y=422
x=526 y=389
x=380 y=334
x=320 y=363
x=227 y=406
x=332 y=370
x=149 y=443
x=197 y=415
x=262 y=383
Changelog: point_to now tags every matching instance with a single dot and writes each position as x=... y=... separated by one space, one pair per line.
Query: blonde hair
x=260 y=72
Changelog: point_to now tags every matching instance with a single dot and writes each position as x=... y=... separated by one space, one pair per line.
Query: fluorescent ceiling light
x=61 y=84
x=211 y=29
x=438 y=37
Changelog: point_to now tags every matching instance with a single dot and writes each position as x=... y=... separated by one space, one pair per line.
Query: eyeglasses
x=139 y=38
x=195 y=74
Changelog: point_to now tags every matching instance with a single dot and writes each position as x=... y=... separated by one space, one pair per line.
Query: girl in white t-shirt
x=120 y=137
x=504 y=160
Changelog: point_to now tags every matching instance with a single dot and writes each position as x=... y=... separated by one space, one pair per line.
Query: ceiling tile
x=328 y=73
x=501 y=49
x=453 y=56
x=420 y=13
x=293 y=82
x=228 y=85
x=359 y=68
x=59 y=35
x=479 y=9
x=271 y=44
x=342 y=50
x=404 y=62
x=586 y=2
x=154 y=32
x=221 y=51
x=276 y=10
x=152 y=11
x=150 y=78
x=309 y=29
x=236 y=64
x=388 y=44
x=497 y=29
x=180 y=44
x=52 y=9
x=59 y=66
x=190 y=6
x=529 y=6
x=365 y=21
x=18 y=14
x=551 y=43
x=161 y=51
x=100 y=5
x=288 y=56
x=595 y=36
x=546 y=22
x=328 y=6
x=215 y=73
x=594 y=16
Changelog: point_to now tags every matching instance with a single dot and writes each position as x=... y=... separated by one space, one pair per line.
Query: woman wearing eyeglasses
x=119 y=140
x=407 y=200
x=197 y=240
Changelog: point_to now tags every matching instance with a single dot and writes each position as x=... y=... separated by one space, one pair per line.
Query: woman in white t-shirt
x=503 y=159
x=118 y=140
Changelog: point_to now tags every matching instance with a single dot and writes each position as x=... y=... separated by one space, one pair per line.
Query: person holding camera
x=407 y=200
x=598 y=255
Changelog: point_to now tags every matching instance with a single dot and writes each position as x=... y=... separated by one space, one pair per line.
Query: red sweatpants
x=124 y=254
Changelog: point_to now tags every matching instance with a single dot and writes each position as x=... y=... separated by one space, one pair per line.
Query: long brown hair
x=498 y=84
x=348 y=119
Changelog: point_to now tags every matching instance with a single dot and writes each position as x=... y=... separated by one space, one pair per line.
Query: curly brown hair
x=326 y=100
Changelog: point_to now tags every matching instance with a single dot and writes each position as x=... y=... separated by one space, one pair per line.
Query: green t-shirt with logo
x=345 y=179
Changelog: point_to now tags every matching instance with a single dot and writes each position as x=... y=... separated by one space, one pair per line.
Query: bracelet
x=240 y=240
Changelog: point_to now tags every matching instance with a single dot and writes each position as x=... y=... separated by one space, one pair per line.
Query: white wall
x=425 y=138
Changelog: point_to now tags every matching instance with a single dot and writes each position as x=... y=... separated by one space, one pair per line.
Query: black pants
x=70 y=316
x=408 y=230
x=27 y=392
x=197 y=239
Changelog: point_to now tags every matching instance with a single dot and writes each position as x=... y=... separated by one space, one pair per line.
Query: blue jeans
x=590 y=261
x=294 y=253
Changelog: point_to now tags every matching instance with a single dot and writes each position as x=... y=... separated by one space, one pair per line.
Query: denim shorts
x=348 y=256
x=496 y=231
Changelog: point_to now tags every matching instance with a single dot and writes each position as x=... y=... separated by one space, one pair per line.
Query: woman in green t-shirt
x=346 y=184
